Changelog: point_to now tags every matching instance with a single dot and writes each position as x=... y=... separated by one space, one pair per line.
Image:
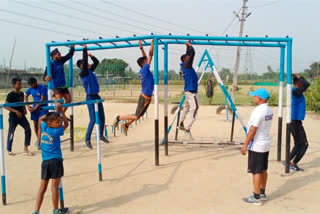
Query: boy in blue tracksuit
x=147 y=84
x=39 y=93
x=91 y=86
x=59 y=84
x=298 y=113
x=190 y=90
x=52 y=161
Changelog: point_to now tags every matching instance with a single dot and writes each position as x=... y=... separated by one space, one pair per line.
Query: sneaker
x=125 y=129
x=37 y=144
x=253 y=200
x=88 y=144
x=11 y=153
x=28 y=153
x=62 y=211
x=115 y=120
x=181 y=126
x=104 y=139
x=263 y=197
x=295 y=168
x=188 y=135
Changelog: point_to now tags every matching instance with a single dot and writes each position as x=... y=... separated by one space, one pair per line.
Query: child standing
x=52 y=166
x=17 y=117
x=39 y=93
x=258 y=143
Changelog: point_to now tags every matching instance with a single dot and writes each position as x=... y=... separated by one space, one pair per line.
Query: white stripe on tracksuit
x=191 y=106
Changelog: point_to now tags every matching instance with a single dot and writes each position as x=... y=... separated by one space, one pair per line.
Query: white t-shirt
x=261 y=117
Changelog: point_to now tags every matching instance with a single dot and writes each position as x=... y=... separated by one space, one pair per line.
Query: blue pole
x=4 y=105
x=226 y=103
x=280 y=113
x=73 y=104
x=98 y=140
x=71 y=109
x=156 y=95
x=61 y=198
x=289 y=88
x=49 y=72
x=165 y=70
x=3 y=174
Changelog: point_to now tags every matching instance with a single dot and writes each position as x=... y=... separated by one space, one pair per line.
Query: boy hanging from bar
x=91 y=86
x=39 y=93
x=52 y=162
x=147 y=83
x=190 y=77
x=59 y=86
x=17 y=117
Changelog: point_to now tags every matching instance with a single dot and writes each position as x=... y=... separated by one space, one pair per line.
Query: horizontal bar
x=256 y=44
x=72 y=104
x=173 y=37
x=4 y=105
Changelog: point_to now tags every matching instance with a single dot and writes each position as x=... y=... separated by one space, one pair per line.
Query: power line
x=37 y=27
x=44 y=20
x=152 y=17
x=109 y=19
x=92 y=14
x=59 y=13
x=127 y=18
x=266 y=4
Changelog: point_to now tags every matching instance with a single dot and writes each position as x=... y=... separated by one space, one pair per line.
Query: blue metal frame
x=126 y=42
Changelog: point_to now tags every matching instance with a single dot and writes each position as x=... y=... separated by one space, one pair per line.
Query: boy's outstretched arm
x=64 y=118
x=151 y=52
x=141 y=48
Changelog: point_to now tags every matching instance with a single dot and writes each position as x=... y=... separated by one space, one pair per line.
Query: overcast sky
x=34 y=23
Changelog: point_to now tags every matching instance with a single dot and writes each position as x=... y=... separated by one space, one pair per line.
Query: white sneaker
x=115 y=122
x=188 y=135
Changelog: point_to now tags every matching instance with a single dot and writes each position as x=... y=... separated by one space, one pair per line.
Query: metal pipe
x=4 y=105
x=165 y=79
x=156 y=104
x=280 y=113
x=289 y=88
x=71 y=109
x=73 y=104
x=96 y=109
x=3 y=174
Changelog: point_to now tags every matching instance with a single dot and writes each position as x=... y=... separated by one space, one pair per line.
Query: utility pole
x=244 y=15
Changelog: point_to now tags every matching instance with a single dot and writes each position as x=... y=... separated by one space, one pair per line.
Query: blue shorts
x=35 y=116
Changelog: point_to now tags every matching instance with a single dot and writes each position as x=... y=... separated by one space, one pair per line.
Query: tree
x=313 y=70
x=225 y=74
x=114 y=66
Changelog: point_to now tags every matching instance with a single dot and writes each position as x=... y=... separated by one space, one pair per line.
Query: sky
x=34 y=23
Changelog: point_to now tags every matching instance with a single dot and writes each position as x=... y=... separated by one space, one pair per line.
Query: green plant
x=312 y=96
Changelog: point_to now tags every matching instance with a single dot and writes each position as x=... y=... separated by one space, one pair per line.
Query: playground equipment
x=285 y=44
x=3 y=180
x=210 y=64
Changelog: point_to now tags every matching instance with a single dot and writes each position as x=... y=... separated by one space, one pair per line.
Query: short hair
x=51 y=116
x=141 y=60
x=54 y=52
x=79 y=62
x=183 y=57
x=295 y=80
x=32 y=80
x=15 y=80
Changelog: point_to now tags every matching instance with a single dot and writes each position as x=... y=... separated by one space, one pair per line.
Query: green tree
x=114 y=66
x=313 y=70
x=226 y=73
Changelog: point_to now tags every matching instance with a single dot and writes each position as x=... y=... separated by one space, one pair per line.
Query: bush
x=312 y=97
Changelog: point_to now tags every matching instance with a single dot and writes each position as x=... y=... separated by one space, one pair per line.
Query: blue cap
x=260 y=92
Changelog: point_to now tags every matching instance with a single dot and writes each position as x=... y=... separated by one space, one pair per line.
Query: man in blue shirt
x=39 y=93
x=59 y=86
x=147 y=84
x=52 y=161
x=190 y=77
x=91 y=86
x=298 y=113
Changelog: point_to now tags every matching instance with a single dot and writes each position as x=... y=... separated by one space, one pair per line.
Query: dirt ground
x=194 y=178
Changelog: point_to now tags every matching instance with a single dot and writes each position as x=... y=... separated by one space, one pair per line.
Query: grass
x=123 y=95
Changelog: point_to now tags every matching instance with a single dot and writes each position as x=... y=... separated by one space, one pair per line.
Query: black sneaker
x=296 y=168
x=104 y=139
x=88 y=144
x=63 y=211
